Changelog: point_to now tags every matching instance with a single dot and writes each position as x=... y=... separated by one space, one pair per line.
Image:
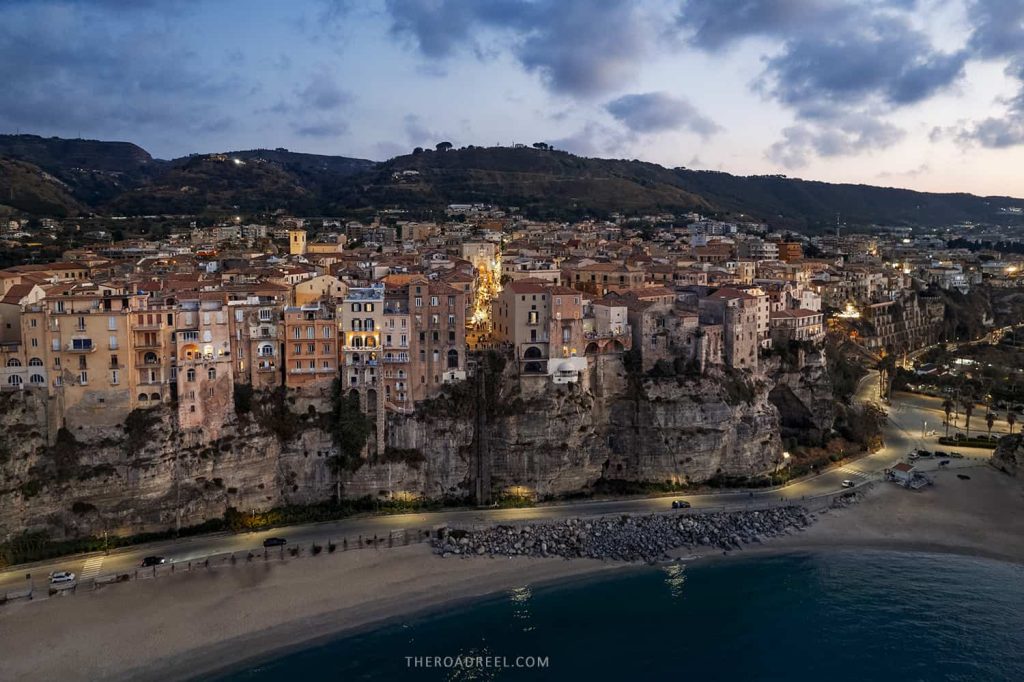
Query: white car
x=848 y=483
x=62 y=578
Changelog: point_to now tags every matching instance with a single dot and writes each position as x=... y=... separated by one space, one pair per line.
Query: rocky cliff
x=1009 y=455
x=497 y=434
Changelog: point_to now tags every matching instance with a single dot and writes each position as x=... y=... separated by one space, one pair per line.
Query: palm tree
x=1011 y=419
x=947 y=407
x=990 y=419
x=968 y=411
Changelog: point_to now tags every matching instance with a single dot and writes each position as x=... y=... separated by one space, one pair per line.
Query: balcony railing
x=317 y=370
x=80 y=347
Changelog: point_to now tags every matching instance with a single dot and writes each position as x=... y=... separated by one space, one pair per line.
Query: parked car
x=943 y=462
x=924 y=453
x=912 y=456
x=62 y=578
x=274 y=542
x=940 y=453
x=680 y=504
x=848 y=483
x=153 y=561
x=956 y=455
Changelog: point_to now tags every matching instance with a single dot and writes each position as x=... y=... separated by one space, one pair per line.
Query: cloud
x=654 y=112
x=997 y=33
x=841 y=66
x=593 y=139
x=321 y=129
x=853 y=134
x=90 y=68
x=322 y=93
x=577 y=47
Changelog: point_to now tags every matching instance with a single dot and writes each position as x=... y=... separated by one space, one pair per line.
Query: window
x=14 y=362
x=81 y=324
x=451 y=320
x=112 y=323
x=115 y=376
x=297 y=349
x=32 y=323
x=310 y=332
x=14 y=380
x=190 y=375
x=35 y=362
x=37 y=380
x=418 y=302
x=532 y=317
x=112 y=342
x=357 y=307
x=311 y=348
x=60 y=306
x=451 y=301
x=83 y=378
x=327 y=332
x=211 y=373
x=34 y=342
x=265 y=314
x=433 y=301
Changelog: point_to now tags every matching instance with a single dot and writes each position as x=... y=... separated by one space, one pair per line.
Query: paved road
x=902 y=434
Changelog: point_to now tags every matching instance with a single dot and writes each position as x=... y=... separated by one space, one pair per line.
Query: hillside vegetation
x=122 y=178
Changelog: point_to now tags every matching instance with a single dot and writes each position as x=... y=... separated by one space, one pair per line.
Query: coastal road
x=902 y=433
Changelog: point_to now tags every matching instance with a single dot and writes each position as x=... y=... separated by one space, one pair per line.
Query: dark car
x=943 y=462
x=153 y=561
x=680 y=504
x=940 y=453
x=274 y=542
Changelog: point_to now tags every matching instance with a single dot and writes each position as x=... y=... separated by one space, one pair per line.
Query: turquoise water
x=858 y=616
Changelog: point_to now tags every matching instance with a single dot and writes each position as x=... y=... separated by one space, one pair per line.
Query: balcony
x=317 y=370
x=80 y=346
x=147 y=344
x=155 y=326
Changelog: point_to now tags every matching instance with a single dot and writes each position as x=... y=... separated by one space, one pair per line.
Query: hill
x=808 y=204
x=122 y=178
x=94 y=171
x=26 y=187
x=543 y=183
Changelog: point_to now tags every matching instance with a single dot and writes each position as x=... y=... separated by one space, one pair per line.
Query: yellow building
x=297 y=242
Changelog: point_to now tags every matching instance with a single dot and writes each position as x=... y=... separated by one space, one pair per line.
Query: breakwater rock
x=626 y=538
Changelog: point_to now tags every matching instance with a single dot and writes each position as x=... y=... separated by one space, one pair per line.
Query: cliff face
x=483 y=439
x=1009 y=455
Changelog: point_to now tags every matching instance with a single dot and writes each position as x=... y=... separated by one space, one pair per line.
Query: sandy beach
x=190 y=624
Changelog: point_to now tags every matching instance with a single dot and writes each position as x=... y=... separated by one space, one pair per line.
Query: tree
x=417 y=150
x=540 y=145
x=443 y=146
x=947 y=407
x=1011 y=419
x=886 y=372
x=968 y=411
x=990 y=420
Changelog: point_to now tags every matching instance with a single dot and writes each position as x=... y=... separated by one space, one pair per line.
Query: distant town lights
x=849 y=313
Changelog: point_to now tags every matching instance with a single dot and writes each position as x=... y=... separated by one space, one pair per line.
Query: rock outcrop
x=494 y=435
x=1009 y=455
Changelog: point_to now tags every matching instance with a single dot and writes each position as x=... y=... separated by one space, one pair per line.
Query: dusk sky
x=927 y=94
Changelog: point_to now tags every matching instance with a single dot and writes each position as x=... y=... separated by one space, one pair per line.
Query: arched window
x=154 y=396
x=211 y=373
x=357 y=342
x=149 y=358
x=14 y=380
x=14 y=362
x=190 y=375
x=35 y=362
x=143 y=398
x=37 y=380
x=453 y=359
x=265 y=350
x=370 y=342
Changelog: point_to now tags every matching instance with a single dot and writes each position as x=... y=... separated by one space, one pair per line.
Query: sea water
x=846 y=615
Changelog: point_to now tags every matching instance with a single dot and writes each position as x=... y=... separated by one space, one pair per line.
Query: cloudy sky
x=927 y=94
